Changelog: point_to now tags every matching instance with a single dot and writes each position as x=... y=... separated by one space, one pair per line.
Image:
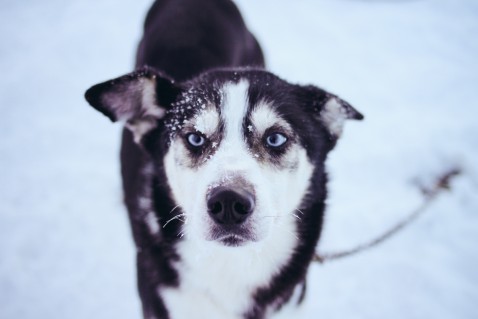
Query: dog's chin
x=231 y=238
x=232 y=241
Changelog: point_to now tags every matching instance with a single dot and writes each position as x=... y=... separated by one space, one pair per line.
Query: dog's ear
x=140 y=99
x=331 y=110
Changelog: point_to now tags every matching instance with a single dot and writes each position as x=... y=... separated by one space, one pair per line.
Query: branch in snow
x=430 y=194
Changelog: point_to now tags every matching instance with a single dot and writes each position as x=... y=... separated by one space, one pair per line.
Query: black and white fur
x=222 y=165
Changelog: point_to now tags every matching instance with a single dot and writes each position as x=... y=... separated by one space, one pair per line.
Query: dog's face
x=240 y=149
x=236 y=165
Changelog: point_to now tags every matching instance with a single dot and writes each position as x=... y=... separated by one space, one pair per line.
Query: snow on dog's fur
x=223 y=173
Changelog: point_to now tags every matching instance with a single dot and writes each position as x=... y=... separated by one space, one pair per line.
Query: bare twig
x=430 y=195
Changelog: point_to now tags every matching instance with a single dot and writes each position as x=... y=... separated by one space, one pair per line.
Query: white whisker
x=301 y=212
x=174 y=218
x=174 y=208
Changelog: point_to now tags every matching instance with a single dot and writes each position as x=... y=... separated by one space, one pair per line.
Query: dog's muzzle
x=230 y=207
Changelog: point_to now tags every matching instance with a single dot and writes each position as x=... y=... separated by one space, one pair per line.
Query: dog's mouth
x=232 y=240
x=231 y=237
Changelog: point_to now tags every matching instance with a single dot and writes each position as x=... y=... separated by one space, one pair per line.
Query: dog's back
x=186 y=37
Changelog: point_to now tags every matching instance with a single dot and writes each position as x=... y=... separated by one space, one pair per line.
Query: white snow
x=411 y=67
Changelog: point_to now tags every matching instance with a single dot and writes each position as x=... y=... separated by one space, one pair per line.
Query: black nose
x=229 y=207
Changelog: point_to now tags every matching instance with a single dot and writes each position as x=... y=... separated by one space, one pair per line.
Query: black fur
x=191 y=41
x=186 y=37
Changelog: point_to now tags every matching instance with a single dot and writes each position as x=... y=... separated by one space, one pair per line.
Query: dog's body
x=223 y=171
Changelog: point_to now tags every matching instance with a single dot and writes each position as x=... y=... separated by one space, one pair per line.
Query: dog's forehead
x=192 y=101
x=228 y=98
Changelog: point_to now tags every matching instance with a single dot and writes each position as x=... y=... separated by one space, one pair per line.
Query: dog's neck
x=222 y=281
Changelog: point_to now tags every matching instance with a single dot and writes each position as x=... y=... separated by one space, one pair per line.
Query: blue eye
x=195 y=140
x=276 y=140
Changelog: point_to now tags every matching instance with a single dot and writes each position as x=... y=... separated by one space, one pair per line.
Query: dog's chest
x=216 y=283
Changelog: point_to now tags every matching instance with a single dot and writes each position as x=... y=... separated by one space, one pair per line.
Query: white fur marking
x=149 y=100
x=152 y=222
x=264 y=116
x=235 y=109
x=207 y=121
x=150 y=110
x=333 y=116
x=144 y=203
x=140 y=127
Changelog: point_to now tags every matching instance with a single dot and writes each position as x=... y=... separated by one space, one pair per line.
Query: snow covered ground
x=410 y=66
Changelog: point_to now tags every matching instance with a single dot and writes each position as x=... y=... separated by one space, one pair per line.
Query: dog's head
x=242 y=150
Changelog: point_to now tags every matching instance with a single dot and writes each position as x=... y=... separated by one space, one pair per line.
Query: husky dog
x=222 y=165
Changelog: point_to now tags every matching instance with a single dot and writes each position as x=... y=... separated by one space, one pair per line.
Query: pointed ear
x=140 y=99
x=331 y=110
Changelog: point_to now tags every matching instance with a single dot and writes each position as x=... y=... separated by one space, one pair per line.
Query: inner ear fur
x=331 y=110
x=140 y=99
